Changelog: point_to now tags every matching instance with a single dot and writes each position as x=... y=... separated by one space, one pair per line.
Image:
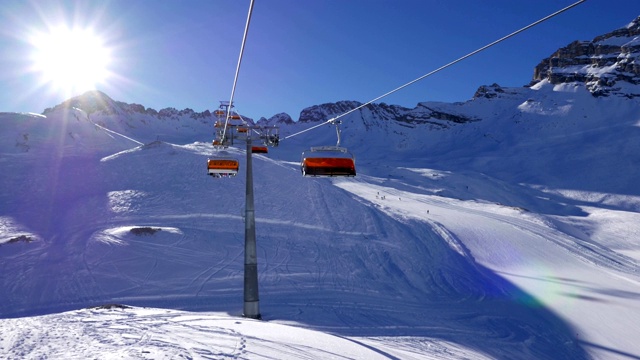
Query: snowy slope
x=512 y=236
x=137 y=333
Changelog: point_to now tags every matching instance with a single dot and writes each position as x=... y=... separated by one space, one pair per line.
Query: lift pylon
x=226 y=134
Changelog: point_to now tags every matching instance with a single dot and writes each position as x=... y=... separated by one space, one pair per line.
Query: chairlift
x=222 y=167
x=328 y=160
x=259 y=149
x=220 y=141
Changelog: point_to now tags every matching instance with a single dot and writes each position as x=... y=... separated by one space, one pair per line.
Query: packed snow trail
x=558 y=270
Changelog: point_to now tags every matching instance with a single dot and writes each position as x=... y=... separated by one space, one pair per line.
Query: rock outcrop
x=607 y=65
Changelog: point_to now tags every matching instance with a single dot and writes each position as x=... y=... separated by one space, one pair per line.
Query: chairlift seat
x=222 y=167
x=259 y=150
x=328 y=161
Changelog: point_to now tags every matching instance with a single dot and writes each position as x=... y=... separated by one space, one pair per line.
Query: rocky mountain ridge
x=607 y=65
x=100 y=103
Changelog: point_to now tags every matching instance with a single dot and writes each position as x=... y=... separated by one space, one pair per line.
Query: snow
x=139 y=333
x=512 y=236
x=620 y=41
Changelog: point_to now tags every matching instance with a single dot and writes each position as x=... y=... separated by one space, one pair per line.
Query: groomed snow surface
x=512 y=237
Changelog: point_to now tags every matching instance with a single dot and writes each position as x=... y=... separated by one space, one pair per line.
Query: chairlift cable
x=222 y=167
x=332 y=120
x=235 y=80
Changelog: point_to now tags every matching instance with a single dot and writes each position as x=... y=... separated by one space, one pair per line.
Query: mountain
x=607 y=65
x=277 y=120
x=505 y=226
x=135 y=120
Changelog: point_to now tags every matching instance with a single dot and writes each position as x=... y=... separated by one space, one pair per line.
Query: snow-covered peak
x=276 y=120
x=90 y=102
x=326 y=111
x=607 y=65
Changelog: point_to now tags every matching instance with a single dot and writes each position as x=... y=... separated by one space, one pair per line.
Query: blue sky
x=183 y=54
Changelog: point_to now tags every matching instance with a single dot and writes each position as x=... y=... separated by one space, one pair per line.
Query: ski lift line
x=332 y=120
x=309 y=129
x=245 y=122
x=116 y=133
x=107 y=130
x=269 y=134
x=235 y=79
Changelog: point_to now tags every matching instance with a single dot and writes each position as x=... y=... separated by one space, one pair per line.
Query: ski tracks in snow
x=559 y=270
x=430 y=209
x=121 y=333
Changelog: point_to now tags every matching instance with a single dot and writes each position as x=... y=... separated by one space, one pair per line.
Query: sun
x=70 y=60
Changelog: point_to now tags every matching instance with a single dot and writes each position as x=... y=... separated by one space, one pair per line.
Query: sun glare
x=70 y=60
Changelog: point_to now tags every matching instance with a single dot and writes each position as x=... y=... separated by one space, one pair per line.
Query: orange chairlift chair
x=328 y=160
x=222 y=167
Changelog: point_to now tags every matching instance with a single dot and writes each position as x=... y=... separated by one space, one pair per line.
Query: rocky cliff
x=609 y=64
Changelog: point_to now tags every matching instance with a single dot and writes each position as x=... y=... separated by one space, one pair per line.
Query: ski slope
x=434 y=254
